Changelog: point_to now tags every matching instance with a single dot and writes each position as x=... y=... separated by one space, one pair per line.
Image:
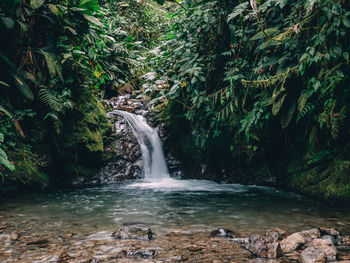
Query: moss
x=329 y=181
x=87 y=132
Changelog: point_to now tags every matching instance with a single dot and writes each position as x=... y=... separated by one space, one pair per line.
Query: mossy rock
x=87 y=132
x=329 y=181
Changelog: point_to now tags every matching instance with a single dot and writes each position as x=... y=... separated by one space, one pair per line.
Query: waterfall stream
x=154 y=165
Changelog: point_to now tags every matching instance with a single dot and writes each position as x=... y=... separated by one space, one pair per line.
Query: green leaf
x=2 y=109
x=277 y=105
x=302 y=100
x=7 y=163
x=4 y=84
x=23 y=87
x=287 y=114
x=8 y=22
x=346 y=22
x=1 y=137
x=93 y=20
x=36 y=3
x=54 y=9
x=51 y=64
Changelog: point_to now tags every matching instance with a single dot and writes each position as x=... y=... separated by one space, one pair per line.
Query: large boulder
x=313 y=255
x=327 y=247
x=292 y=243
x=137 y=231
x=263 y=246
x=311 y=234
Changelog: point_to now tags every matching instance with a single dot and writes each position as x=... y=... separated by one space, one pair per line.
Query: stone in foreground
x=292 y=243
x=313 y=255
x=138 y=231
x=264 y=247
x=327 y=247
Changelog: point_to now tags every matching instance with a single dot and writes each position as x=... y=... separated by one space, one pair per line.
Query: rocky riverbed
x=29 y=241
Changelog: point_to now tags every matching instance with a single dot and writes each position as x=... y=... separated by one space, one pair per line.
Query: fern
x=335 y=128
x=50 y=100
x=308 y=109
x=324 y=120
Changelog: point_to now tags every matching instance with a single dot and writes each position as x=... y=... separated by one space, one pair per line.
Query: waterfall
x=154 y=166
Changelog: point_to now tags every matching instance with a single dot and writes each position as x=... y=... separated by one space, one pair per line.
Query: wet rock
x=40 y=243
x=221 y=232
x=329 y=231
x=140 y=253
x=138 y=231
x=343 y=248
x=313 y=255
x=345 y=239
x=195 y=248
x=330 y=238
x=276 y=234
x=327 y=247
x=292 y=242
x=240 y=240
x=14 y=236
x=263 y=246
x=311 y=234
x=5 y=240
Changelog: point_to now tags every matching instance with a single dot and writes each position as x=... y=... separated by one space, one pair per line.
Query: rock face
x=127 y=158
x=263 y=246
x=292 y=243
x=137 y=231
x=126 y=153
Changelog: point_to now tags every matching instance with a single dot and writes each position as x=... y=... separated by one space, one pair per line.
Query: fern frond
x=48 y=97
x=308 y=109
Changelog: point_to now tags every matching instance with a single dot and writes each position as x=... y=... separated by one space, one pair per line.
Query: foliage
x=238 y=70
x=59 y=54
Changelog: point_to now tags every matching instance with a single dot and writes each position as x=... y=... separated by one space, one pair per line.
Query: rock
x=221 y=232
x=195 y=248
x=14 y=236
x=343 y=248
x=240 y=240
x=313 y=255
x=292 y=243
x=140 y=253
x=264 y=247
x=346 y=239
x=330 y=238
x=329 y=231
x=327 y=247
x=5 y=240
x=137 y=231
x=40 y=243
x=276 y=234
x=311 y=234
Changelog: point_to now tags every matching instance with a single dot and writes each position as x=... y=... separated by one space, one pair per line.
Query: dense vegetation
x=262 y=85
x=58 y=60
x=256 y=90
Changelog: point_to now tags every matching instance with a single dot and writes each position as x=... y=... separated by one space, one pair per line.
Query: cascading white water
x=154 y=166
